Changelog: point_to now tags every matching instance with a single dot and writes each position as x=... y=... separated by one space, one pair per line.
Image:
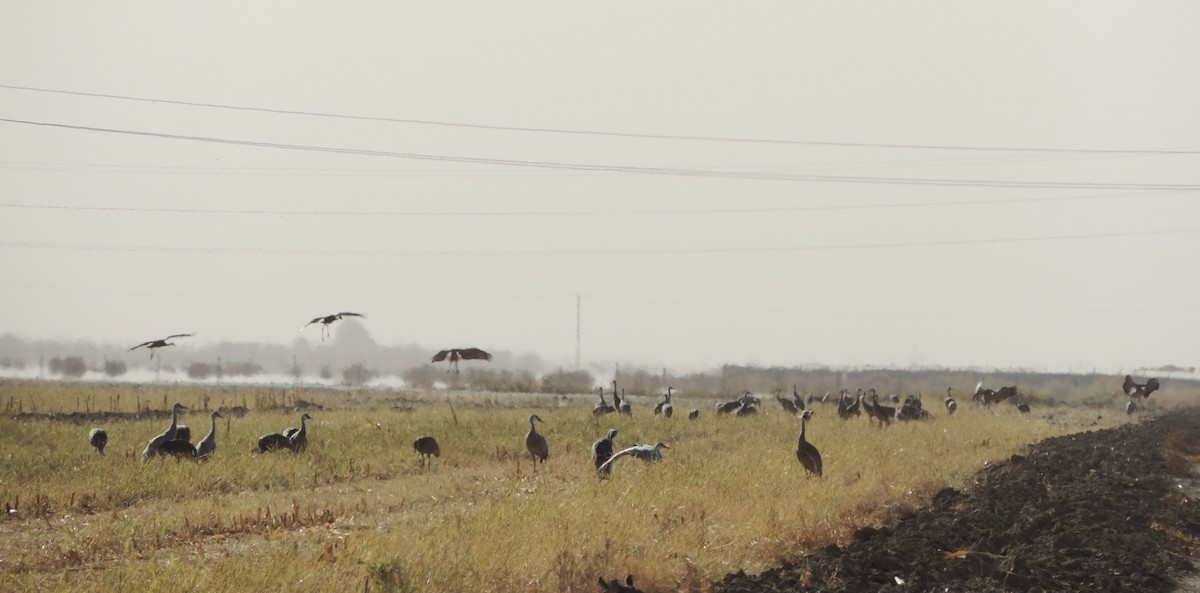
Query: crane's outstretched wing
x=1128 y=385
x=1151 y=386
x=440 y=356
x=473 y=354
x=644 y=452
x=348 y=314
x=140 y=345
x=179 y=336
x=315 y=320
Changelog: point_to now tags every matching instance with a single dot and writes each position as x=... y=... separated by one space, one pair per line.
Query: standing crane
x=602 y=451
x=298 y=441
x=166 y=435
x=808 y=455
x=208 y=445
x=328 y=319
x=664 y=407
x=603 y=408
x=535 y=443
x=456 y=354
x=163 y=343
x=788 y=405
x=951 y=405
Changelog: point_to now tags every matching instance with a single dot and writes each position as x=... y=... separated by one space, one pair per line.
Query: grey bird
x=643 y=452
x=154 y=344
x=328 y=319
x=602 y=451
x=208 y=445
x=535 y=443
x=808 y=455
x=298 y=441
x=167 y=435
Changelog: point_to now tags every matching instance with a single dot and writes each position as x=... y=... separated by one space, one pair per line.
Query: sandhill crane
x=808 y=455
x=693 y=414
x=602 y=451
x=166 y=435
x=730 y=406
x=456 y=354
x=602 y=408
x=1022 y=407
x=883 y=414
x=535 y=443
x=624 y=406
x=208 y=445
x=298 y=441
x=98 y=439
x=643 y=452
x=273 y=441
x=177 y=449
x=799 y=401
x=747 y=406
x=1142 y=390
x=951 y=405
x=988 y=397
x=154 y=344
x=427 y=447
x=615 y=586
x=664 y=407
x=328 y=319
x=788 y=405
x=848 y=406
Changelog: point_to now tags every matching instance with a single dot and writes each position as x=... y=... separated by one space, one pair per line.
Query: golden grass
x=359 y=507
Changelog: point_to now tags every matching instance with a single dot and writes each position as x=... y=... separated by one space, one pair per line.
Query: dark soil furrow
x=1095 y=511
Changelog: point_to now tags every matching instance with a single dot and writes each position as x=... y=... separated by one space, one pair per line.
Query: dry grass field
x=357 y=511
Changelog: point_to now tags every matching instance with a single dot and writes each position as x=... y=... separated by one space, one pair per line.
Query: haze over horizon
x=933 y=184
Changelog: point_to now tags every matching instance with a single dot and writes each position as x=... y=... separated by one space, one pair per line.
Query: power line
x=579 y=213
x=580 y=252
x=661 y=171
x=580 y=132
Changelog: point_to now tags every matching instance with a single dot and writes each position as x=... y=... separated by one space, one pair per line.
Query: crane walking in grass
x=427 y=447
x=535 y=443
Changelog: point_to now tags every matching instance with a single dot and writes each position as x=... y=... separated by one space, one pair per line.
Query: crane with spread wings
x=152 y=344
x=456 y=354
x=328 y=319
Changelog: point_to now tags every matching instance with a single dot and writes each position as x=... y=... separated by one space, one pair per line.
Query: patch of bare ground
x=1108 y=510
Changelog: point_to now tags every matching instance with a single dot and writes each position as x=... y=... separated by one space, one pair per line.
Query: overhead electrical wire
x=568 y=131
x=750 y=210
x=580 y=252
x=658 y=171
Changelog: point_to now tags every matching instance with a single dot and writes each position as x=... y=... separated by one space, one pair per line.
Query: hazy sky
x=940 y=183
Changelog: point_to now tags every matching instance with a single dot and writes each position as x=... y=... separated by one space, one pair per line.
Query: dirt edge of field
x=1108 y=510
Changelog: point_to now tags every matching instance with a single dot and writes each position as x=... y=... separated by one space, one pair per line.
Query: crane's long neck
x=303 y=425
x=213 y=430
x=532 y=427
x=174 y=419
x=803 y=427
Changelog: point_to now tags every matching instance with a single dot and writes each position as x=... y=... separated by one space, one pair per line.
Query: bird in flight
x=152 y=344
x=455 y=354
x=328 y=319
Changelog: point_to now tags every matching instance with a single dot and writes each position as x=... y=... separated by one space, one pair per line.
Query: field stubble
x=358 y=506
